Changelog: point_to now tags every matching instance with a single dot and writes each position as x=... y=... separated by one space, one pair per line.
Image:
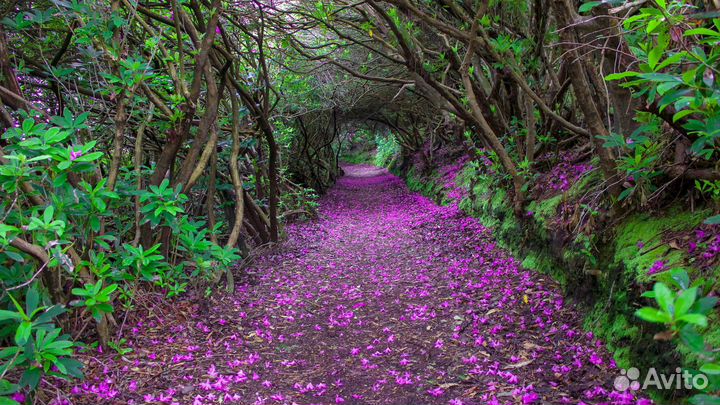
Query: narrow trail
x=387 y=298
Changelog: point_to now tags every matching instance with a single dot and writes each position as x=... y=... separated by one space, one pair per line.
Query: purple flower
x=530 y=398
x=75 y=154
x=640 y=244
x=595 y=359
x=436 y=392
x=657 y=267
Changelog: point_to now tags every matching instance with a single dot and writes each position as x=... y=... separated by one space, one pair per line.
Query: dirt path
x=386 y=299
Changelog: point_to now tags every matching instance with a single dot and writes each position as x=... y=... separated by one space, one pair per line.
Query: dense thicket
x=147 y=146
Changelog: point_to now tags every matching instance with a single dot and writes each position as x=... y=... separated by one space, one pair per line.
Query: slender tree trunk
x=583 y=92
x=188 y=173
x=7 y=74
x=489 y=134
x=212 y=178
x=137 y=161
x=208 y=152
x=235 y=173
x=531 y=132
x=273 y=197
x=177 y=137
x=121 y=118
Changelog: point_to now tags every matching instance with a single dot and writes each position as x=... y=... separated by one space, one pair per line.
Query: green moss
x=586 y=182
x=544 y=210
x=414 y=182
x=499 y=201
x=481 y=188
x=542 y=263
x=465 y=177
x=608 y=321
x=531 y=262
x=649 y=230
x=509 y=230
x=362 y=157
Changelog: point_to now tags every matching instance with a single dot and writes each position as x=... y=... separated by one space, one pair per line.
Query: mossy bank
x=603 y=275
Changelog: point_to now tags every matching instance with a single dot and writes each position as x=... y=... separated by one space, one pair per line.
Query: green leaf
x=704 y=305
x=5 y=315
x=692 y=339
x=31 y=377
x=6 y=388
x=685 y=301
x=39 y=158
x=682 y=114
x=622 y=75
x=702 y=31
x=94 y=223
x=667 y=86
x=652 y=26
x=713 y=220
x=9 y=352
x=110 y=289
x=32 y=299
x=18 y=307
x=626 y=193
x=54 y=135
x=22 y=334
x=664 y=297
x=64 y=165
x=680 y=277
x=59 y=345
x=49 y=314
x=48 y=214
x=654 y=56
x=653 y=315
x=89 y=157
x=675 y=58
x=60 y=367
x=73 y=367
x=15 y=256
x=711 y=368
x=97 y=287
x=695 y=319
x=585 y=7
x=80 y=292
